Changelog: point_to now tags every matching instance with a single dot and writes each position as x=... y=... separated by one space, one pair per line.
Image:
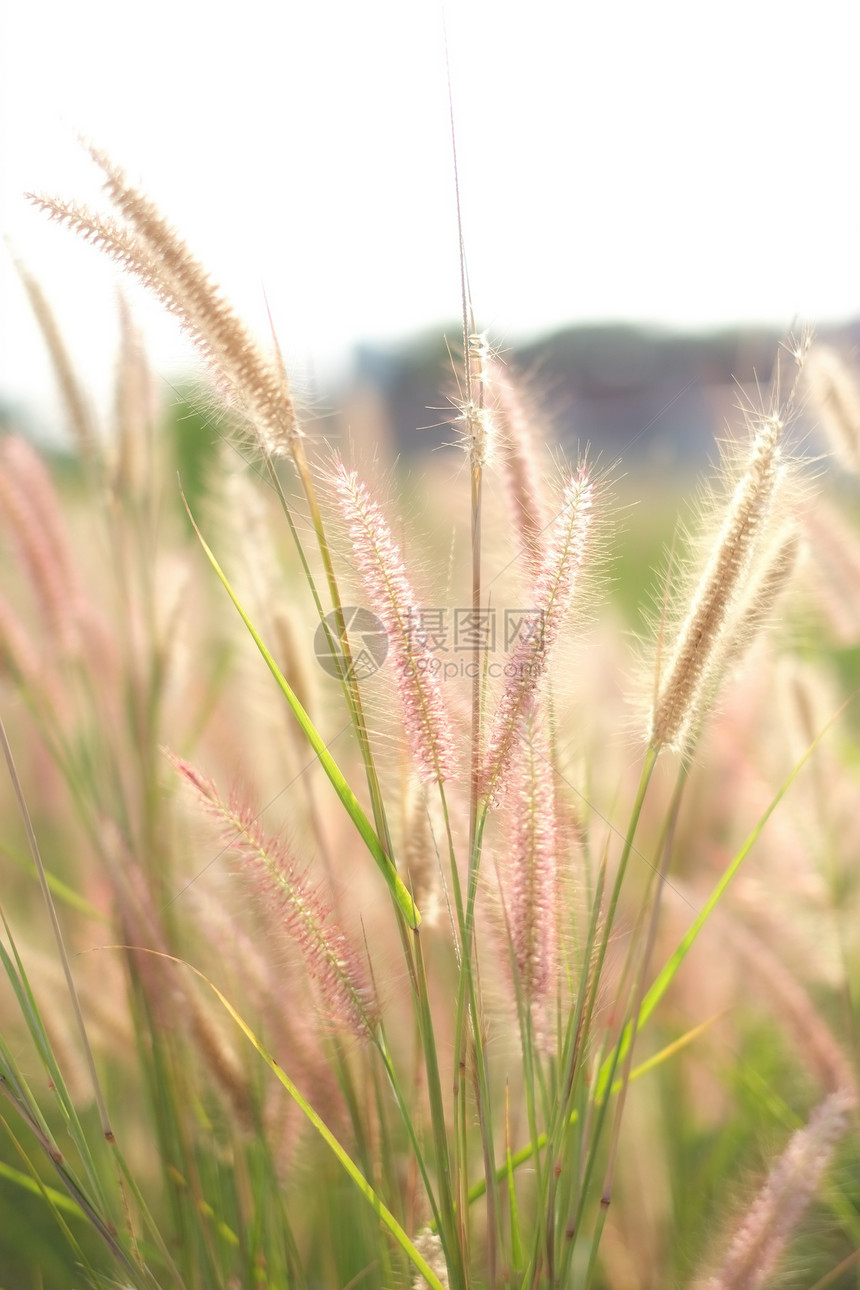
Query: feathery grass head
x=530 y=882
x=380 y=564
x=331 y=961
x=791 y=1184
x=568 y=544
x=475 y=417
x=515 y=423
x=148 y=248
x=685 y=680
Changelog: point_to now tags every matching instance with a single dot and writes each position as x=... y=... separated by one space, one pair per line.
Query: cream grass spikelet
x=778 y=567
x=568 y=543
x=756 y=610
x=476 y=419
x=680 y=689
x=429 y=1246
x=792 y=1182
x=380 y=564
x=331 y=961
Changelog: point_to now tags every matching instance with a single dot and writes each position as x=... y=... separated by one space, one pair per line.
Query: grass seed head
x=684 y=683
x=380 y=565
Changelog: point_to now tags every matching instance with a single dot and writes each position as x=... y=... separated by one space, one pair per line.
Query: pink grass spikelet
x=385 y=580
x=331 y=962
x=531 y=889
x=567 y=548
x=791 y=1184
x=519 y=464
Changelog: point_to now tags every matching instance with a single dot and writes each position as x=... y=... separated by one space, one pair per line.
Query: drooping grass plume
x=152 y=251
x=331 y=961
x=378 y=559
x=683 y=681
x=770 y=1223
x=569 y=542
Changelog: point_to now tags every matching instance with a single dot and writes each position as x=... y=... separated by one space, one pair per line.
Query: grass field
x=502 y=933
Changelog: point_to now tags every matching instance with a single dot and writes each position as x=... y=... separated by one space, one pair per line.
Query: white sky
x=674 y=161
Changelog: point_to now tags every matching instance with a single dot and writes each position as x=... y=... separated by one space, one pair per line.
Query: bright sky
x=677 y=162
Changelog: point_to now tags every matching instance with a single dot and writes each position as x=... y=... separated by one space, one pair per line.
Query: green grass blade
x=670 y=968
x=521 y=1157
x=379 y=1208
x=58 y=1199
x=353 y=808
x=60 y=890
